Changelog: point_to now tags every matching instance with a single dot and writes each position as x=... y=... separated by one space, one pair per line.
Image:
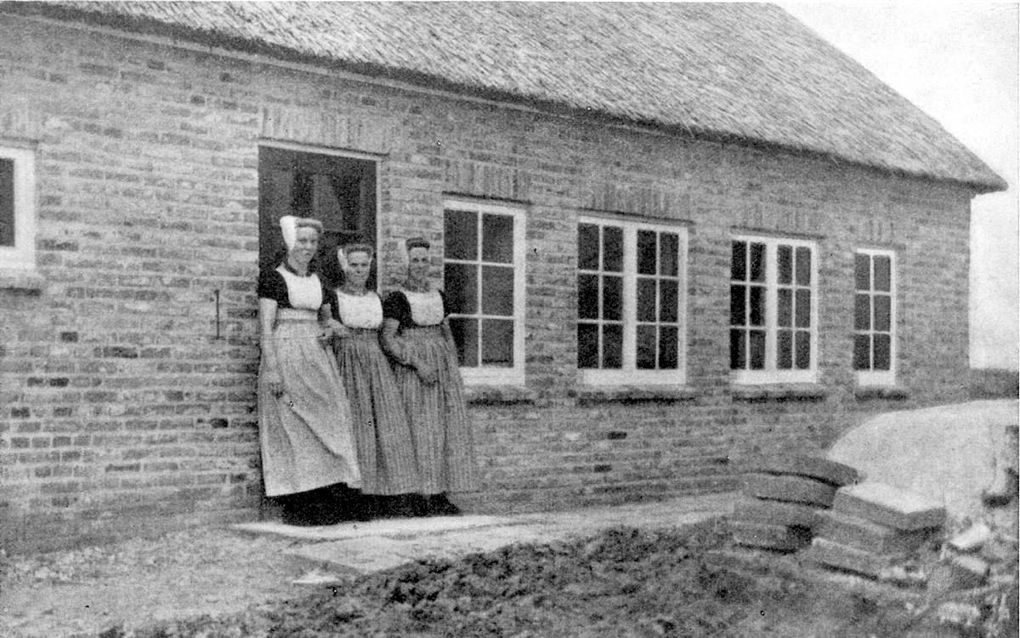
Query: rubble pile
x=782 y=498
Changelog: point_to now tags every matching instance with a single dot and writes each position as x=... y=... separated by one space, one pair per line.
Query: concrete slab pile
x=781 y=500
x=873 y=526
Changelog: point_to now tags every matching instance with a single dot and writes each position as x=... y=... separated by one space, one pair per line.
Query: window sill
x=27 y=279
x=891 y=392
x=779 y=392
x=498 y=395
x=634 y=394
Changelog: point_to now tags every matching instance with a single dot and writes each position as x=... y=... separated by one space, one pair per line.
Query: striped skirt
x=443 y=440
x=305 y=434
x=381 y=431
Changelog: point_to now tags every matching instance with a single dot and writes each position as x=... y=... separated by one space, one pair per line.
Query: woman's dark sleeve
x=329 y=296
x=395 y=306
x=272 y=286
x=442 y=297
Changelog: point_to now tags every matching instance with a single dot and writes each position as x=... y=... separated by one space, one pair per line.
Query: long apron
x=381 y=430
x=305 y=434
x=443 y=439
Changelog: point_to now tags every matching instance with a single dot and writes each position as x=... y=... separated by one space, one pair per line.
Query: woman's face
x=305 y=245
x=418 y=263
x=358 y=266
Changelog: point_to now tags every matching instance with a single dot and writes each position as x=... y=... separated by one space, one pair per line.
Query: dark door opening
x=338 y=191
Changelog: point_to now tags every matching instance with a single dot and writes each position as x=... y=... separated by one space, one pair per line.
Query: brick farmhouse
x=671 y=235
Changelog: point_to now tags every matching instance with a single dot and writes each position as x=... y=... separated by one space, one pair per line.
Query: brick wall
x=123 y=413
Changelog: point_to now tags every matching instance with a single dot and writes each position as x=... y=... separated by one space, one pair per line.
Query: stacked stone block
x=872 y=525
x=783 y=498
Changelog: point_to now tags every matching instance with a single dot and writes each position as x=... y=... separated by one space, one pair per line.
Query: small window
x=773 y=309
x=17 y=208
x=483 y=278
x=874 y=318
x=631 y=287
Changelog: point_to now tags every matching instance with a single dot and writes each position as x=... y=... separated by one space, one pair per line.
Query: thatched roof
x=748 y=73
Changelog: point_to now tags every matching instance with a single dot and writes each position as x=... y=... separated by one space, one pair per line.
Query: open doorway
x=337 y=190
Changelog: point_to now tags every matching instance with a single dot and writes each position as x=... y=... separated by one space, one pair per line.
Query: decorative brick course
x=147 y=186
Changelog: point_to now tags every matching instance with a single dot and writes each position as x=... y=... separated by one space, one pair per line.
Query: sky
x=958 y=62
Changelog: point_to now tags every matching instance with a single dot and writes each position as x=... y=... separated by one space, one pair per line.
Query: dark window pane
x=803 y=346
x=588 y=247
x=882 y=313
x=460 y=283
x=737 y=352
x=587 y=345
x=737 y=305
x=465 y=334
x=669 y=254
x=862 y=312
x=784 y=349
x=862 y=272
x=668 y=303
x=784 y=259
x=757 y=262
x=883 y=279
x=738 y=261
x=757 y=306
x=883 y=352
x=645 y=299
x=862 y=352
x=612 y=346
x=668 y=348
x=646 y=347
x=612 y=248
x=756 y=346
x=803 y=312
x=588 y=296
x=498 y=238
x=785 y=310
x=498 y=291
x=647 y=249
x=612 y=298
x=804 y=266
x=498 y=342
x=460 y=235
x=6 y=202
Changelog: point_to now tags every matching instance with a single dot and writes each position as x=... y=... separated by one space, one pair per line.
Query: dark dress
x=443 y=439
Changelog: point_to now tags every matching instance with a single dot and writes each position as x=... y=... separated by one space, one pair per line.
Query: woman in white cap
x=308 y=454
x=417 y=338
x=381 y=430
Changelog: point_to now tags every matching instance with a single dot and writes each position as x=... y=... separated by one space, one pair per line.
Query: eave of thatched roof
x=747 y=73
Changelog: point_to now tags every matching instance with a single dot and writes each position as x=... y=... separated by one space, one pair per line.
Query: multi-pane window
x=773 y=325
x=874 y=317
x=630 y=302
x=17 y=208
x=483 y=275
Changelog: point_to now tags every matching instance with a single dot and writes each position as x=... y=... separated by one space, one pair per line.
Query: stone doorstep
x=754 y=510
x=868 y=536
x=833 y=554
x=382 y=527
x=814 y=467
x=789 y=489
x=778 y=537
x=888 y=505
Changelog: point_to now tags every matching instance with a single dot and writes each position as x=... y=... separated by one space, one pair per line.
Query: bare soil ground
x=622 y=582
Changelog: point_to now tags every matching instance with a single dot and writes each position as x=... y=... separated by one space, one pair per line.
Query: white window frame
x=880 y=377
x=21 y=256
x=497 y=375
x=771 y=373
x=629 y=374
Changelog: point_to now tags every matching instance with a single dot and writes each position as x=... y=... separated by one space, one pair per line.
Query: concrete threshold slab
x=379 y=545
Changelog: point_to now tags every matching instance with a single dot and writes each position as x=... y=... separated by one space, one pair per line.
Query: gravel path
x=131 y=584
